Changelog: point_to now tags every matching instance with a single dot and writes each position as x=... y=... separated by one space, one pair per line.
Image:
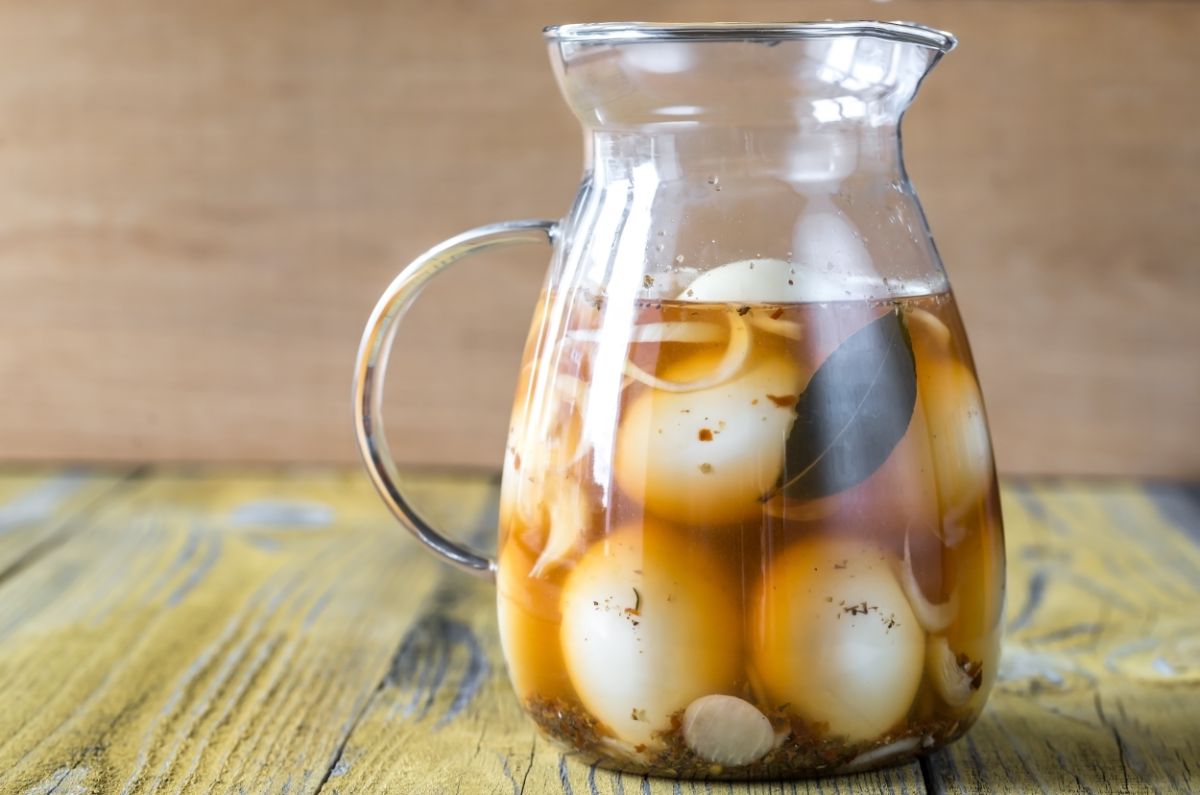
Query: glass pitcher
x=749 y=522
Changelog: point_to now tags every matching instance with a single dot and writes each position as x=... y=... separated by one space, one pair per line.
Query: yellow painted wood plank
x=209 y=633
x=1099 y=688
x=272 y=632
x=38 y=504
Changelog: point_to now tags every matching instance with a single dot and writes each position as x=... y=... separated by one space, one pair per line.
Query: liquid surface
x=749 y=540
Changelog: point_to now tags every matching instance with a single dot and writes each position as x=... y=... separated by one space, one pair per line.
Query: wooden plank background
x=199 y=202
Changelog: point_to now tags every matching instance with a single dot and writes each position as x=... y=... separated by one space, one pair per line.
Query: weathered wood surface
x=38 y=507
x=251 y=632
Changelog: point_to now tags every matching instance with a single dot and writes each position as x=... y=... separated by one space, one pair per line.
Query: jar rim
x=633 y=32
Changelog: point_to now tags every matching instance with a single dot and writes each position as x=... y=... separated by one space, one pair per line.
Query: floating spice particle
x=516 y=462
x=783 y=401
x=858 y=609
x=841 y=564
x=647 y=281
x=743 y=310
x=790 y=281
x=778 y=313
x=706 y=435
x=706 y=468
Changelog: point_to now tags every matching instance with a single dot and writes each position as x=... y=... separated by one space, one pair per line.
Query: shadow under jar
x=749 y=523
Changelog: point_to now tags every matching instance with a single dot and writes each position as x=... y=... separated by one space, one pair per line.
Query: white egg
x=706 y=457
x=649 y=624
x=953 y=409
x=770 y=281
x=835 y=638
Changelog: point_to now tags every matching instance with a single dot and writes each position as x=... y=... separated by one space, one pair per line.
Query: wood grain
x=1099 y=687
x=41 y=507
x=205 y=634
x=245 y=631
x=199 y=203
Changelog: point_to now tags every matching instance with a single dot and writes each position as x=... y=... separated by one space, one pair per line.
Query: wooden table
x=250 y=631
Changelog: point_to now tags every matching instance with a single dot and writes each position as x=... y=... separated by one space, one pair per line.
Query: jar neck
x=809 y=158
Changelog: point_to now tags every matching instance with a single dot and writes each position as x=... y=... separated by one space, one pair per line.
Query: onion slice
x=953 y=531
x=868 y=759
x=567 y=522
x=667 y=331
x=932 y=617
x=731 y=362
x=574 y=394
x=954 y=682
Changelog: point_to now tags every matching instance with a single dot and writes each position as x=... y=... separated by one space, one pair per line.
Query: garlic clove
x=727 y=730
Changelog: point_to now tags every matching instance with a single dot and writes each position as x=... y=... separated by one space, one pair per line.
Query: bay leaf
x=854 y=411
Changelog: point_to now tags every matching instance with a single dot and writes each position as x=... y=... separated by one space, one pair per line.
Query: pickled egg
x=835 y=638
x=766 y=281
x=953 y=408
x=707 y=456
x=649 y=624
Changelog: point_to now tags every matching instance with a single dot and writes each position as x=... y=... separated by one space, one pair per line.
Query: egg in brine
x=953 y=407
x=706 y=457
x=650 y=623
x=769 y=281
x=833 y=636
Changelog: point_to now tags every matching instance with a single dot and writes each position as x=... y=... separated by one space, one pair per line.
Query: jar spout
x=634 y=75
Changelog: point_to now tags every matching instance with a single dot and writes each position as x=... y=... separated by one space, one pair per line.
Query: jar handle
x=371 y=370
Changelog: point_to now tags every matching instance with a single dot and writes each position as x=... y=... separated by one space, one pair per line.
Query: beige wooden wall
x=199 y=202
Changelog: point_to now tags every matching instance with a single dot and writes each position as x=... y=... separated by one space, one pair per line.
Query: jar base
x=800 y=753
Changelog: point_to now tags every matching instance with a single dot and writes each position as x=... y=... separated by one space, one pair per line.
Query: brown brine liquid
x=669 y=604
